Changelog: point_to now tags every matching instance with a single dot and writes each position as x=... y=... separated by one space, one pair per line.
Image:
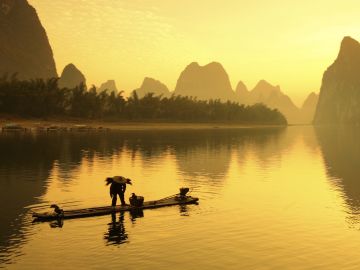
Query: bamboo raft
x=105 y=210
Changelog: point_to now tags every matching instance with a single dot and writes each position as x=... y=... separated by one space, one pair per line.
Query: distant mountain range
x=271 y=96
x=71 y=77
x=29 y=54
x=151 y=85
x=209 y=82
x=109 y=87
x=205 y=82
x=212 y=82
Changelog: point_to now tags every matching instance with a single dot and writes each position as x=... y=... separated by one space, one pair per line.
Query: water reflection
x=204 y=154
x=27 y=162
x=116 y=234
x=207 y=156
x=341 y=152
x=24 y=169
x=59 y=223
x=135 y=214
x=184 y=210
x=265 y=145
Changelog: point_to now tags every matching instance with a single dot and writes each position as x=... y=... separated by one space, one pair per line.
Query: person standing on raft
x=118 y=187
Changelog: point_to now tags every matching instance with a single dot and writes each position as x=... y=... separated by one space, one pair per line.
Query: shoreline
x=131 y=126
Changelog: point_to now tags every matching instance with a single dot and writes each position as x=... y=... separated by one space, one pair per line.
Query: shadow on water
x=27 y=160
x=135 y=214
x=116 y=234
x=341 y=153
x=24 y=168
x=184 y=210
x=59 y=223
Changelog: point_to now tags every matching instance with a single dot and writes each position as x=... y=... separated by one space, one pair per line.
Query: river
x=272 y=198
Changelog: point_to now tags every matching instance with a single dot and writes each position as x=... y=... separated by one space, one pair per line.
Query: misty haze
x=169 y=135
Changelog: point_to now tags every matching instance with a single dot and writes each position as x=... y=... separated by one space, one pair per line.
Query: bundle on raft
x=177 y=199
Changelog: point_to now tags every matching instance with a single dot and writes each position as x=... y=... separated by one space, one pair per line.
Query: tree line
x=44 y=98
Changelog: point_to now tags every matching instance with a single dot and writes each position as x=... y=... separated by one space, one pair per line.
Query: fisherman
x=118 y=187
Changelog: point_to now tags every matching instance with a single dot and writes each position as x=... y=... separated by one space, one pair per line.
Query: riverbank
x=32 y=123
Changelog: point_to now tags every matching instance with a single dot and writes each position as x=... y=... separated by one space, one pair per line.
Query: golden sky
x=288 y=43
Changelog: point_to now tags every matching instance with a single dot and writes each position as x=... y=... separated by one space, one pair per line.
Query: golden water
x=269 y=199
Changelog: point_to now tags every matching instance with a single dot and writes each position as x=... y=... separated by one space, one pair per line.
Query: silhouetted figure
x=57 y=210
x=58 y=223
x=118 y=187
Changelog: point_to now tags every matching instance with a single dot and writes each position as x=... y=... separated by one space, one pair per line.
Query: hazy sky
x=288 y=43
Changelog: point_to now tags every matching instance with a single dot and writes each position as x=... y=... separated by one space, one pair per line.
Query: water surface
x=269 y=199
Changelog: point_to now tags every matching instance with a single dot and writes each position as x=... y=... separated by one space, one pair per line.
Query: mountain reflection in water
x=341 y=152
x=27 y=159
x=236 y=173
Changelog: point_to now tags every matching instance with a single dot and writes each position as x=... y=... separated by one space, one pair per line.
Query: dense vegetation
x=39 y=98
